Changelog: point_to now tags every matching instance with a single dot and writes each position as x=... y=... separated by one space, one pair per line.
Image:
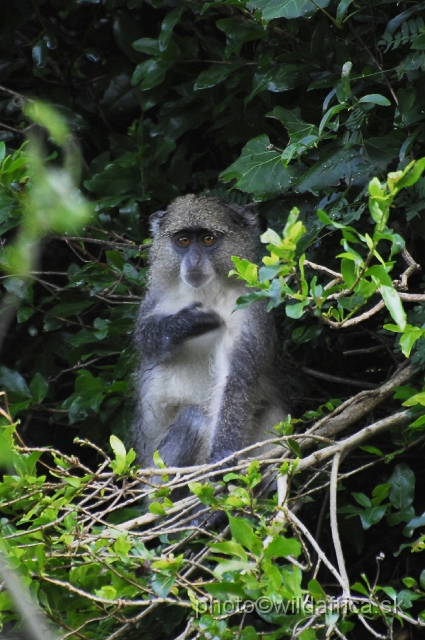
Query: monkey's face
x=196 y=249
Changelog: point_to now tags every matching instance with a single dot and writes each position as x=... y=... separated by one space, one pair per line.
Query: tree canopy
x=314 y=110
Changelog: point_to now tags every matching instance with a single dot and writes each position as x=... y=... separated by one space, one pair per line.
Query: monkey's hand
x=160 y=335
x=192 y=321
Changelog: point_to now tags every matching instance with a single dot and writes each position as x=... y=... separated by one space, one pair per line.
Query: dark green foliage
x=166 y=97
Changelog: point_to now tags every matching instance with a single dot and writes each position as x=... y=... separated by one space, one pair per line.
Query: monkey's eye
x=183 y=241
x=208 y=240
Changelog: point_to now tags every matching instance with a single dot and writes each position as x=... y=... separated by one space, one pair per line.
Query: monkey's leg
x=184 y=441
x=183 y=444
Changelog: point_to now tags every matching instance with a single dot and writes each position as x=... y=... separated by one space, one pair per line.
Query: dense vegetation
x=293 y=104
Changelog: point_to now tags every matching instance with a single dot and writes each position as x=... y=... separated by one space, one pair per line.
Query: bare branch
x=330 y=378
x=357 y=319
x=319 y=267
x=334 y=525
x=299 y=525
x=355 y=440
x=363 y=403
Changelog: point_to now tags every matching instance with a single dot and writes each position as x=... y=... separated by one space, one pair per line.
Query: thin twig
x=334 y=525
x=339 y=379
x=293 y=518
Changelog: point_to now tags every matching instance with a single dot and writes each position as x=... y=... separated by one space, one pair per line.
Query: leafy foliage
x=295 y=105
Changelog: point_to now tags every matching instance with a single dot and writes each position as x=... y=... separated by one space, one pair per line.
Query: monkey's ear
x=155 y=221
x=245 y=215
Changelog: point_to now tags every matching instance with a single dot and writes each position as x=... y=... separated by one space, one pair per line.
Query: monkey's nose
x=195 y=258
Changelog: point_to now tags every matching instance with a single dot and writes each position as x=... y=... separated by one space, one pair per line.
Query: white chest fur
x=196 y=374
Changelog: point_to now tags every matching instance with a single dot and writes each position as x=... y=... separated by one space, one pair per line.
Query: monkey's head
x=196 y=236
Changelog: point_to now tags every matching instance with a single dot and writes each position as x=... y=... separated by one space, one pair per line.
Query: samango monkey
x=209 y=382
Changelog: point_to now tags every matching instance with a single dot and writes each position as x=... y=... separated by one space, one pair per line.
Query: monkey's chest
x=193 y=375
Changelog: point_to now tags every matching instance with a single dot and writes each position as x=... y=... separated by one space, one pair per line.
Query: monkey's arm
x=159 y=335
x=233 y=425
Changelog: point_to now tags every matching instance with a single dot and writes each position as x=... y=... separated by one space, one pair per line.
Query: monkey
x=209 y=382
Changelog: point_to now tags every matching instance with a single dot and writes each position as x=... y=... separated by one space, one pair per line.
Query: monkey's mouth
x=197 y=279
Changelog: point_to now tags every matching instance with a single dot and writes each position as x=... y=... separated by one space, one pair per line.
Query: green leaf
x=225 y=590
x=372 y=515
x=418 y=398
x=282 y=547
x=162 y=584
x=408 y=339
x=117 y=447
x=394 y=305
x=150 y=73
x=372 y=449
x=334 y=165
x=271 y=237
x=402 y=481
x=410 y=582
x=342 y=10
x=107 y=591
x=245 y=301
x=419 y=42
x=244 y=534
x=272 y=9
x=171 y=19
x=362 y=499
x=348 y=271
x=238 y=32
x=345 y=79
x=315 y=590
x=278 y=78
x=158 y=460
x=114 y=180
x=259 y=170
x=6 y=448
x=380 y=275
x=232 y=566
x=268 y=273
x=248 y=270
x=323 y=217
x=157 y=508
x=230 y=548
x=375 y=189
x=329 y=115
x=14 y=384
x=122 y=546
x=214 y=75
x=418 y=423
x=147 y=45
x=24 y=313
x=295 y=125
x=376 y=98
x=296 y=310
x=411 y=174
x=38 y=387
x=65 y=309
x=357 y=586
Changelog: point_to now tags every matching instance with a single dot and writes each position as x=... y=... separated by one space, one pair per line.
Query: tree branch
x=334 y=525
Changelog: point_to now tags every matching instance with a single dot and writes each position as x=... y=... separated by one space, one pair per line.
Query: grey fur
x=209 y=382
